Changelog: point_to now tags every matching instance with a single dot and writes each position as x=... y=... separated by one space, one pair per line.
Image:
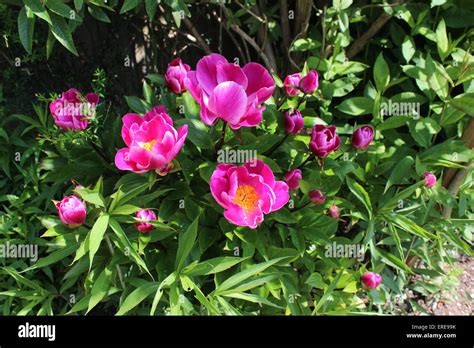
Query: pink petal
x=260 y=168
x=282 y=195
x=206 y=74
x=92 y=98
x=192 y=85
x=128 y=120
x=207 y=116
x=260 y=82
x=238 y=216
x=219 y=183
x=231 y=72
x=252 y=118
x=121 y=161
x=228 y=101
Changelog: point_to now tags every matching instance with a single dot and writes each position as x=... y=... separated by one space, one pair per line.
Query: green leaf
x=327 y=293
x=393 y=261
x=408 y=48
x=38 y=9
x=62 y=33
x=91 y=196
x=437 y=77
x=409 y=226
x=361 y=194
x=393 y=122
x=125 y=209
x=136 y=104
x=50 y=41
x=442 y=40
x=26 y=27
x=168 y=281
x=198 y=133
x=177 y=17
x=185 y=244
x=96 y=235
x=191 y=108
x=422 y=130
x=304 y=44
x=137 y=296
x=98 y=13
x=212 y=266
x=129 y=5
x=55 y=256
x=315 y=280
x=244 y=275
x=100 y=287
x=150 y=7
x=156 y=79
x=400 y=171
x=464 y=102
x=126 y=246
x=284 y=216
x=249 y=284
x=381 y=73
x=393 y=202
x=78 y=4
x=356 y=106
x=60 y=8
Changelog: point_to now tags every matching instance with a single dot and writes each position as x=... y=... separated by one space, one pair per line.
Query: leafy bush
x=376 y=210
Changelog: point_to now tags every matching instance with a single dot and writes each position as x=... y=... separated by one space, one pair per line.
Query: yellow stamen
x=149 y=145
x=246 y=197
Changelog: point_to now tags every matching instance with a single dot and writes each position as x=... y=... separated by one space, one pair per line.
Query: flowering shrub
x=246 y=188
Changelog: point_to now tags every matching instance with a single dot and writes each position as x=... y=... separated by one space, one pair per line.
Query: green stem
x=222 y=139
x=310 y=158
x=276 y=146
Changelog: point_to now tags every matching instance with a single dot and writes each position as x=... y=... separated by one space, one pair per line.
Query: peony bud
x=293 y=121
x=291 y=83
x=310 y=82
x=146 y=215
x=371 y=280
x=175 y=74
x=72 y=211
x=362 y=137
x=430 y=179
x=317 y=197
x=324 y=140
x=292 y=178
x=72 y=111
x=334 y=211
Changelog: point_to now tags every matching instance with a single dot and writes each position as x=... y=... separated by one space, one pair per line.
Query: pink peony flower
x=146 y=215
x=324 y=140
x=175 y=75
x=430 y=179
x=309 y=83
x=292 y=178
x=72 y=211
x=152 y=142
x=291 y=83
x=225 y=90
x=247 y=192
x=317 y=197
x=362 y=137
x=334 y=211
x=371 y=280
x=294 y=121
x=71 y=111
